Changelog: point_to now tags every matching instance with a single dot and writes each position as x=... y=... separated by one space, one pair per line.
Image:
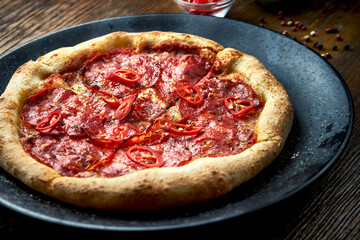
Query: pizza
x=141 y=121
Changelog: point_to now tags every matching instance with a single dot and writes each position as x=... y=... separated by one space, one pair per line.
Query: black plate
x=322 y=126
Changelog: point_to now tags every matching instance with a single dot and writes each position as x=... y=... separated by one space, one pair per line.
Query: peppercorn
x=332 y=30
x=334 y=47
x=262 y=20
x=319 y=46
x=346 y=46
x=316 y=44
x=307 y=38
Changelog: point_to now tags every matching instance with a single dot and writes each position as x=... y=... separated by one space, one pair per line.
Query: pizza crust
x=154 y=188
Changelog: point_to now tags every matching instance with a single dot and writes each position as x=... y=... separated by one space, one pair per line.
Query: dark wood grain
x=330 y=207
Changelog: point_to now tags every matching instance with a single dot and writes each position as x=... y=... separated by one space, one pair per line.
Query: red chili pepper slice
x=181 y=129
x=49 y=121
x=114 y=140
x=102 y=161
x=106 y=143
x=114 y=102
x=124 y=76
x=190 y=94
x=238 y=107
x=142 y=159
x=124 y=108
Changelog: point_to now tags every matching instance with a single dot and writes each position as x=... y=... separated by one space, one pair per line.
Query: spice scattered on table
x=296 y=26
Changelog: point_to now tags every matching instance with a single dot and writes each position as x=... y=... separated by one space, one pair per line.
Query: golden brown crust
x=154 y=188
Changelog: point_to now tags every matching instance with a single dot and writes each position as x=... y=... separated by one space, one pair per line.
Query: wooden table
x=330 y=207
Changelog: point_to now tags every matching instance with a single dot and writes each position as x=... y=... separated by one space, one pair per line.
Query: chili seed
x=307 y=38
x=312 y=33
x=290 y=23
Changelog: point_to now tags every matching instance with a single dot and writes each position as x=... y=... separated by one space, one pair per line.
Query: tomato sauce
x=160 y=108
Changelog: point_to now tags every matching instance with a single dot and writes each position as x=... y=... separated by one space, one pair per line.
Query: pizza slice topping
x=238 y=107
x=124 y=107
x=181 y=129
x=124 y=76
x=49 y=121
x=141 y=110
x=140 y=154
x=190 y=94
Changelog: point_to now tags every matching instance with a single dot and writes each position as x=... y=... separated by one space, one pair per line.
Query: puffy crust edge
x=155 y=188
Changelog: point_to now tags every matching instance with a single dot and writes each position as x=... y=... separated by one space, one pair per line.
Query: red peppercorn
x=338 y=37
x=285 y=32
